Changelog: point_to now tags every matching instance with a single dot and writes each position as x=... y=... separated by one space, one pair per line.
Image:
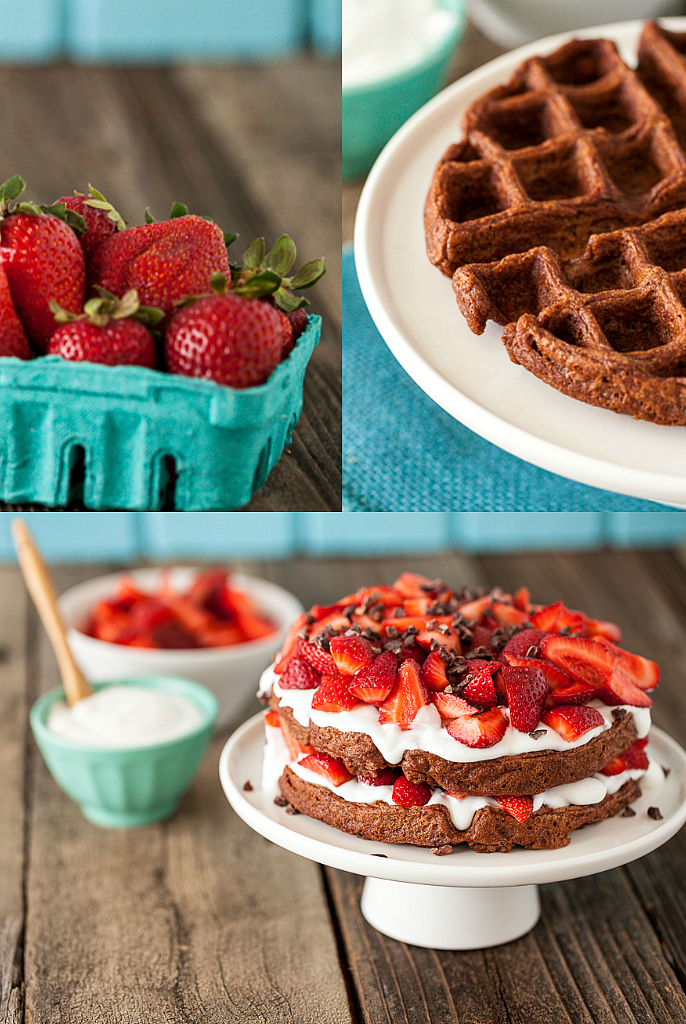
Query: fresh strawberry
x=333 y=694
x=410 y=794
x=101 y=218
x=411 y=584
x=643 y=673
x=480 y=688
x=573 y=693
x=520 y=807
x=522 y=643
x=635 y=756
x=522 y=599
x=620 y=690
x=298 y=320
x=451 y=706
x=417 y=605
x=295 y=747
x=351 y=652
x=416 y=621
x=299 y=675
x=582 y=659
x=481 y=637
x=287 y=335
x=331 y=768
x=507 y=614
x=110 y=332
x=164 y=261
x=13 y=341
x=408 y=695
x=433 y=672
x=44 y=262
x=595 y=629
x=572 y=720
x=388 y=596
x=482 y=730
x=526 y=689
x=556 y=617
x=386 y=777
x=374 y=681
x=614 y=767
x=289 y=644
x=332 y=623
x=272 y=718
x=426 y=637
x=318 y=658
x=474 y=610
x=555 y=677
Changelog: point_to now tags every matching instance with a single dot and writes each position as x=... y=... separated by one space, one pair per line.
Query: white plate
x=471 y=377
x=596 y=848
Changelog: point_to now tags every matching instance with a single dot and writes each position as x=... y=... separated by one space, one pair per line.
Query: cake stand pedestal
x=465 y=900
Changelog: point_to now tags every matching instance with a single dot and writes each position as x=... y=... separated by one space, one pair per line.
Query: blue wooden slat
x=325 y=533
x=31 y=30
x=645 y=528
x=326 y=22
x=217 y=534
x=503 y=531
x=75 y=536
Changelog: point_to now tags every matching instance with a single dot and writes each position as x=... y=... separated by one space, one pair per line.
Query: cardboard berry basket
x=129 y=422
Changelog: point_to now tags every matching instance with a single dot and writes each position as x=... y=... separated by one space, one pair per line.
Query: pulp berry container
x=131 y=423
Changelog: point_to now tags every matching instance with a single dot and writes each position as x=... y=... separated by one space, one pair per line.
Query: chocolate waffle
x=586 y=155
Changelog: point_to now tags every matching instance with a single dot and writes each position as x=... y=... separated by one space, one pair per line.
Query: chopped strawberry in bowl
x=180 y=622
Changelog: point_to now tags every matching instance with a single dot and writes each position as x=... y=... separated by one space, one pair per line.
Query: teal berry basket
x=140 y=432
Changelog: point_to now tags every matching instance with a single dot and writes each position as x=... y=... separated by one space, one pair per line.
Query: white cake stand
x=465 y=900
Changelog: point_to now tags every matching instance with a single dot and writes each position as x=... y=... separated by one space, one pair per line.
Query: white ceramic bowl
x=231 y=673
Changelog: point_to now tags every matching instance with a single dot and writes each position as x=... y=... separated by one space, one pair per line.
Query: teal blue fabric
x=402 y=453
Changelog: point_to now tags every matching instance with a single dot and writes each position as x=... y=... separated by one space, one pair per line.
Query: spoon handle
x=39 y=586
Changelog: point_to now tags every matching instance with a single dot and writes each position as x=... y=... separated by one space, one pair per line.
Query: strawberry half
x=520 y=807
x=408 y=695
x=643 y=673
x=585 y=660
x=318 y=658
x=635 y=755
x=572 y=720
x=433 y=672
x=299 y=675
x=526 y=689
x=410 y=794
x=555 y=677
x=480 y=688
x=351 y=653
x=333 y=694
x=374 y=682
x=614 y=767
x=573 y=693
x=331 y=768
x=556 y=617
x=620 y=690
x=482 y=730
x=520 y=644
x=451 y=706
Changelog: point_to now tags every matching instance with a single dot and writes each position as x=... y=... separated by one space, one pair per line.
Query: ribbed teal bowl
x=124 y=788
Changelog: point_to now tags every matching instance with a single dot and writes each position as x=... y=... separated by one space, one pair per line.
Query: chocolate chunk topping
x=441 y=851
x=392 y=632
x=628 y=812
x=399 y=613
x=394 y=646
x=280 y=801
x=247 y=786
x=292 y=810
x=537 y=733
x=666 y=770
x=384 y=855
x=654 y=813
x=349 y=610
x=619 y=712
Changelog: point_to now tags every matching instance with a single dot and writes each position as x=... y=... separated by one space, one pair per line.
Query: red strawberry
x=410 y=794
x=635 y=755
x=13 y=341
x=298 y=319
x=585 y=660
x=272 y=718
x=408 y=695
x=289 y=644
x=572 y=720
x=295 y=747
x=108 y=332
x=351 y=652
x=299 y=675
x=102 y=220
x=386 y=777
x=620 y=690
x=433 y=672
x=331 y=768
x=643 y=673
x=521 y=643
x=482 y=636
x=614 y=767
x=595 y=629
x=333 y=694
x=506 y=614
x=451 y=641
x=480 y=689
x=482 y=730
x=573 y=693
x=287 y=335
x=475 y=609
x=411 y=584
x=526 y=689
x=388 y=596
x=318 y=658
x=522 y=599
x=556 y=617
x=451 y=706
x=555 y=677
x=163 y=261
x=520 y=807
x=374 y=681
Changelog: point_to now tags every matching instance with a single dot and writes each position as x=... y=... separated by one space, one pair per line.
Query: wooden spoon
x=39 y=586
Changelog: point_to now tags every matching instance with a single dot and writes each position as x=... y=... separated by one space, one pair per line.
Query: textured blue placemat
x=402 y=453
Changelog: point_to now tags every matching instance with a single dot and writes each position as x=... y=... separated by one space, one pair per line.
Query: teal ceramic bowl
x=373 y=113
x=124 y=788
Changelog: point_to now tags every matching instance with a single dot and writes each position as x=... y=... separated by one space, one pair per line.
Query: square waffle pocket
x=561 y=215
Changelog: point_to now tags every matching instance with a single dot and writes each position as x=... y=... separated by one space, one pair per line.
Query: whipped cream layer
x=427 y=733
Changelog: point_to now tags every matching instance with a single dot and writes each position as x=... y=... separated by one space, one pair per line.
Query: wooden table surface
x=201 y=920
x=255 y=147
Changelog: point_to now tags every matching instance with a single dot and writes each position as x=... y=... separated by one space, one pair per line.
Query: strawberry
x=595 y=629
x=298 y=321
x=272 y=718
x=410 y=794
x=522 y=599
x=526 y=689
x=44 y=262
x=287 y=335
x=572 y=720
x=299 y=675
x=520 y=807
x=635 y=756
x=13 y=341
x=295 y=747
x=426 y=637
x=451 y=706
x=388 y=596
x=351 y=653
x=480 y=688
x=110 y=331
x=411 y=584
x=475 y=609
x=374 y=681
x=100 y=217
x=522 y=643
x=164 y=260
x=573 y=693
x=507 y=614
x=481 y=637
x=331 y=768
x=585 y=660
x=556 y=617
x=408 y=695
x=333 y=694
x=482 y=730
x=620 y=690
x=318 y=658
x=614 y=767
x=289 y=644
x=386 y=777
x=643 y=673
x=433 y=672
x=554 y=676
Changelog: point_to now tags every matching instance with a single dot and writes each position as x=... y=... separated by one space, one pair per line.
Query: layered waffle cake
x=413 y=714
x=561 y=216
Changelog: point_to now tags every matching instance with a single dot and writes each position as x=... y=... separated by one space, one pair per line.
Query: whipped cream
x=426 y=732
x=384 y=37
x=125 y=716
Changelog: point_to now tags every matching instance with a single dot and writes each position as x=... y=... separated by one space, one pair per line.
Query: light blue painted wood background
x=111 y=536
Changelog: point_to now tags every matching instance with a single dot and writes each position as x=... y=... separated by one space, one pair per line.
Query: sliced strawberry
x=408 y=695
x=386 y=777
x=331 y=623
x=412 y=585
x=410 y=794
x=417 y=605
x=643 y=673
x=572 y=720
x=595 y=629
x=526 y=689
x=299 y=675
x=556 y=677
x=374 y=682
x=389 y=597
x=522 y=599
x=451 y=706
x=351 y=653
x=333 y=694
x=507 y=614
x=323 y=612
x=332 y=768
x=272 y=718
x=573 y=693
x=482 y=730
x=520 y=807
x=289 y=644
x=480 y=688
x=635 y=755
x=433 y=672
x=582 y=659
x=451 y=641
x=475 y=609
x=556 y=617
x=414 y=653
x=614 y=767
x=521 y=643
x=620 y=690
x=318 y=658
x=418 y=621
x=295 y=747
